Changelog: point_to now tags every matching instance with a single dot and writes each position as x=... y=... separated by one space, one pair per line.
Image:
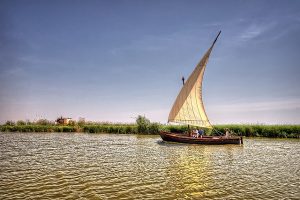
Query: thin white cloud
x=273 y=29
x=255 y=30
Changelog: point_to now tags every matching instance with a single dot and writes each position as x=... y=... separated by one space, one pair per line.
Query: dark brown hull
x=182 y=138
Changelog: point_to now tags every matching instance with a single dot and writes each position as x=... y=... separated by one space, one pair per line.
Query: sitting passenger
x=194 y=133
x=201 y=133
x=197 y=133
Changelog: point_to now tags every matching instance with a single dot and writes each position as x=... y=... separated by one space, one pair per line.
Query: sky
x=114 y=60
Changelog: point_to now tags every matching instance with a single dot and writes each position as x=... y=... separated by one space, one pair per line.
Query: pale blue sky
x=114 y=60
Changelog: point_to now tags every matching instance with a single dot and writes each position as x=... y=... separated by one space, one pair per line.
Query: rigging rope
x=217 y=132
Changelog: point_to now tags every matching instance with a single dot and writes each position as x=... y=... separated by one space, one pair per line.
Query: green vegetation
x=256 y=130
x=144 y=126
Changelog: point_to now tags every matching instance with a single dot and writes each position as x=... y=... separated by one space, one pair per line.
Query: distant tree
x=143 y=124
x=10 y=123
x=21 y=123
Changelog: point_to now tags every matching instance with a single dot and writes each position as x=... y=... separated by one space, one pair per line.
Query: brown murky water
x=102 y=166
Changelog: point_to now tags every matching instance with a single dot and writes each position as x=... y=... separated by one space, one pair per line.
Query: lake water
x=103 y=166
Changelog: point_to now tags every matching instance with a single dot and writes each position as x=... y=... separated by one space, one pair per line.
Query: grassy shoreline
x=248 y=130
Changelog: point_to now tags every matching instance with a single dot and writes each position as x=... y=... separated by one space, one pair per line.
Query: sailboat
x=188 y=109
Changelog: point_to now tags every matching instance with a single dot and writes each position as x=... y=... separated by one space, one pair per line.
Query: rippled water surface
x=101 y=166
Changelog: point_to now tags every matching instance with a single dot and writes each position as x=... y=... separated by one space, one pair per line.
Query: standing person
x=226 y=132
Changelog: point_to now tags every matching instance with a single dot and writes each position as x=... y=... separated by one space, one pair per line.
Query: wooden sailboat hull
x=212 y=140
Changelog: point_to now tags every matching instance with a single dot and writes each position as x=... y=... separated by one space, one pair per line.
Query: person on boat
x=226 y=132
x=201 y=133
x=193 y=133
x=196 y=133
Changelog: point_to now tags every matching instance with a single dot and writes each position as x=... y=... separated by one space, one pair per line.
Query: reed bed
x=257 y=130
x=248 y=130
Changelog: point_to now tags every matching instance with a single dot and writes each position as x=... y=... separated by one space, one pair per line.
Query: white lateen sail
x=188 y=107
